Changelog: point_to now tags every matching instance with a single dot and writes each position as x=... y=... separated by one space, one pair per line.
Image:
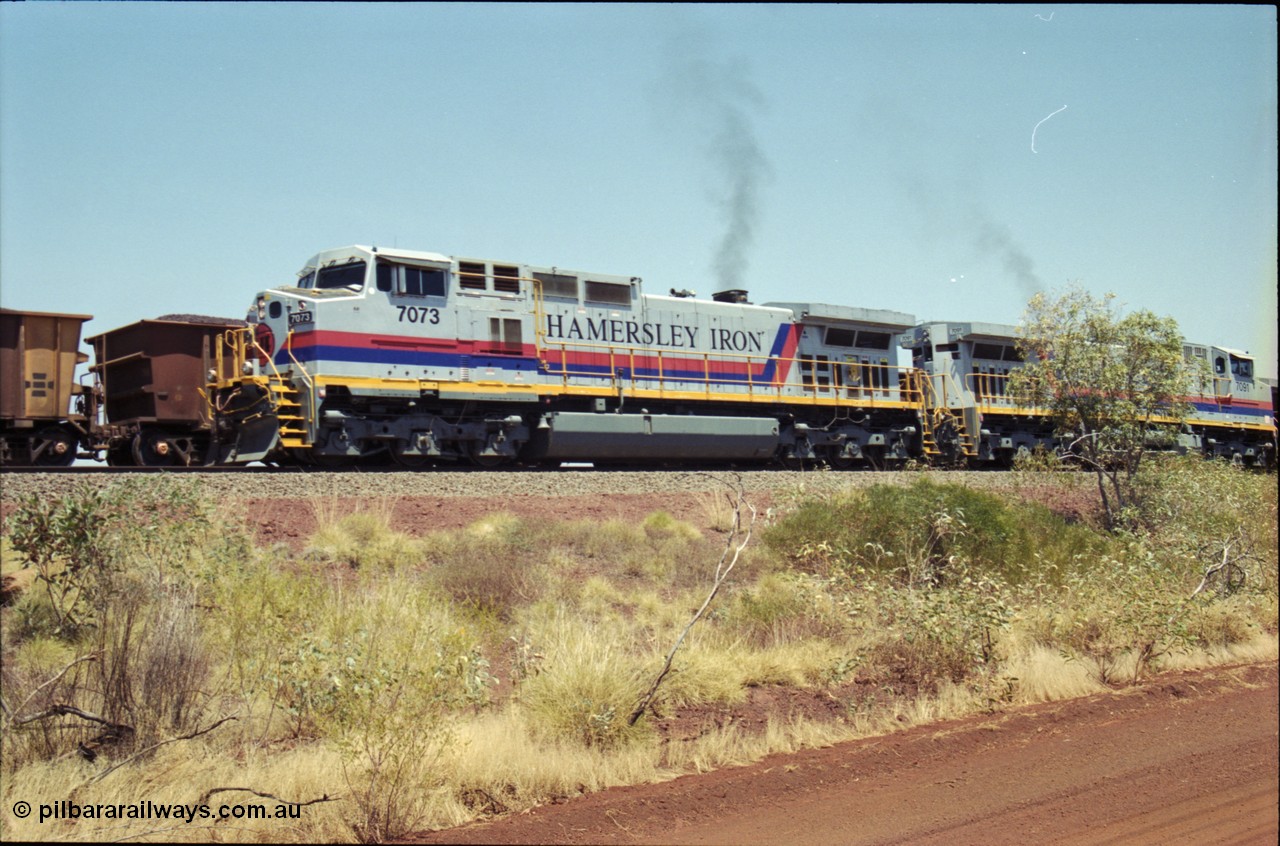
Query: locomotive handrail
x=890 y=384
x=990 y=389
x=943 y=394
x=991 y=393
x=266 y=356
x=539 y=319
x=288 y=346
x=234 y=339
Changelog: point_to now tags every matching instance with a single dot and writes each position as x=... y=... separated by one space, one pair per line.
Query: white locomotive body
x=423 y=357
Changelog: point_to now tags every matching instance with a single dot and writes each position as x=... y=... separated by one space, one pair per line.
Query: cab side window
x=423 y=282
x=1241 y=368
x=411 y=281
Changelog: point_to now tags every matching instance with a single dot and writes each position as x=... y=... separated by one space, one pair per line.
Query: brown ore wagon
x=151 y=378
x=39 y=352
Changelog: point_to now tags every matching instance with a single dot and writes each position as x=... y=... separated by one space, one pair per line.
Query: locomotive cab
x=1233 y=411
x=358 y=343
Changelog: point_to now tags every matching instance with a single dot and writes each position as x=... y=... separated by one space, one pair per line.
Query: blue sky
x=170 y=157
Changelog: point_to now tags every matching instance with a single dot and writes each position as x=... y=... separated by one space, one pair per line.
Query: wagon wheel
x=54 y=447
x=152 y=448
x=120 y=454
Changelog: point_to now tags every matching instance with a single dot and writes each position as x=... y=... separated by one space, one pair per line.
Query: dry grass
x=370 y=681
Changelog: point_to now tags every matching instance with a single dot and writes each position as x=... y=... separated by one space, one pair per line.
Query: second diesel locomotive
x=973 y=415
x=415 y=357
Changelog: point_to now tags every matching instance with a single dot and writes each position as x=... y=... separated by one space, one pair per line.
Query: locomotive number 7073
x=415 y=314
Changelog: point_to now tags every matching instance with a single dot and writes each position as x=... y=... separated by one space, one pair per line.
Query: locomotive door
x=1221 y=378
x=853 y=376
x=422 y=319
x=498 y=338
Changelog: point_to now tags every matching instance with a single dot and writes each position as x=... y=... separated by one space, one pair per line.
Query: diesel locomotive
x=422 y=357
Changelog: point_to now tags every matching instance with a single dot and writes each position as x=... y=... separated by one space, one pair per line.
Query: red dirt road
x=1189 y=758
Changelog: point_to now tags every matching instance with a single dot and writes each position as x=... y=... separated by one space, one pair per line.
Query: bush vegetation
x=393 y=682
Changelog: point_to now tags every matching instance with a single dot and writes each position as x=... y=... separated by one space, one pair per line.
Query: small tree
x=1112 y=384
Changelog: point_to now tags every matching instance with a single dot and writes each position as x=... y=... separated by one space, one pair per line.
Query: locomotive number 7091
x=415 y=314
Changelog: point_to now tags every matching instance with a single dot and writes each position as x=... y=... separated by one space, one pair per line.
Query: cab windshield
x=336 y=276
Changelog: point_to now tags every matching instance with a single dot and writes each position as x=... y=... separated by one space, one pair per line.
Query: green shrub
x=1218 y=624
x=1196 y=511
x=83 y=543
x=491 y=566
x=124 y=579
x=1121 y=610
x=919 y=531
x=935 y=634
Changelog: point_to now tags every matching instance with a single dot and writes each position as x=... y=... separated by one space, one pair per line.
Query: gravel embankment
x=442 y=483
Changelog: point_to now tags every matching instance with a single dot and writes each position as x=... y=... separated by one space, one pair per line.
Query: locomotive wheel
x=488 y=461
x=57 y=447
x=151 y=448
x=838 y=460
x=415 y=461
